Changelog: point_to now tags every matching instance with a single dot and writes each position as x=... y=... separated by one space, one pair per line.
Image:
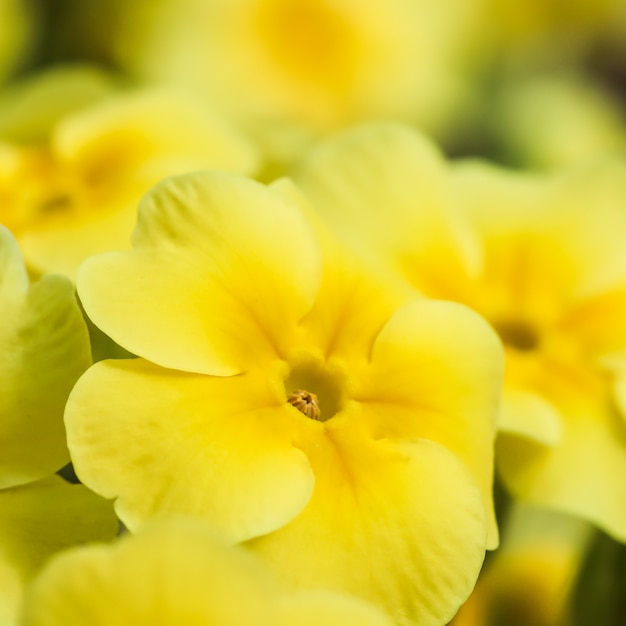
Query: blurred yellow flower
x=316 y=64
x=38 y=520
x=44 y=348
x=75 y=193
x=290 y=397
x=178 y=572
x=543 y=259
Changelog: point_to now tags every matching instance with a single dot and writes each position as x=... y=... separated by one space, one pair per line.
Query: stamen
x=306 y=402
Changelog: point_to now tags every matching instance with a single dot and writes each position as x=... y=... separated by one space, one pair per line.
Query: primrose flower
x=36 y=521
x=290 y=397
x=303 y=64
x=543 y=260
x=75 y=194
x=44 y=348
x=178 y=572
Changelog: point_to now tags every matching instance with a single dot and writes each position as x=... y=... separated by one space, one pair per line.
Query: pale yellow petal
x=110 y=143
x=592 y=200
x=36 y=521
x=527 y=414
x=399 y=524
x=165 y=442
x=172 y=573
x=382 y=188
x=223 y=269
x=355 y=298
x=528 y=273
x=44 y=348
x=582 y=251
x=314 y=608
x=597 y=322
x=583 y=475
x=65 y=241
x=436 y=373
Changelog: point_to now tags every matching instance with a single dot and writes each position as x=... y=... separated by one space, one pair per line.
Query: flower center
x=517 y=334
x=315 y=388
x=306 y=402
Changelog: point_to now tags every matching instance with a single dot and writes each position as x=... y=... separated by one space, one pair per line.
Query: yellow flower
x=316 y=64
x=543 y=260
x=36 y=521
x=178 y=572
x=290 y=397
x=75 y=193
x=44 y=348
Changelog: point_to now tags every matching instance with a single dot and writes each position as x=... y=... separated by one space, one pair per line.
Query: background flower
x=542 y=259
x=73 y=191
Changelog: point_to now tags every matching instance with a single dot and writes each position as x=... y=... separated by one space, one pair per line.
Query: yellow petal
x=171 y=573
x=65 y=241
x=222 y=271
x=314 y=608
x=109 y=155
x=582 y=250
x=597 y=322
x=583 y=474
x=355 y=298
x=36 y=521
x=178 y=571
x=593 y=237
x=382 y=186
x=44 y=348
x=528 y=414
x=436 y=373
x=113 y=141
x=528 y=273
x=399 y=524
x=166 y=442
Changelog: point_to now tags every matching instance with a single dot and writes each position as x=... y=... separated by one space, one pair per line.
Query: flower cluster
x=270 y=354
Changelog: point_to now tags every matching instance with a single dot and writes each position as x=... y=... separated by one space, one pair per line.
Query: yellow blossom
x=178 y=572
x=44 y=348
x=291 y=397
x=75 y=193
x=543 y=260
x=36 y=521
x=312 y=64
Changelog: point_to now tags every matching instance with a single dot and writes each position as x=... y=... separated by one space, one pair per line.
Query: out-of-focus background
x=530 y=84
